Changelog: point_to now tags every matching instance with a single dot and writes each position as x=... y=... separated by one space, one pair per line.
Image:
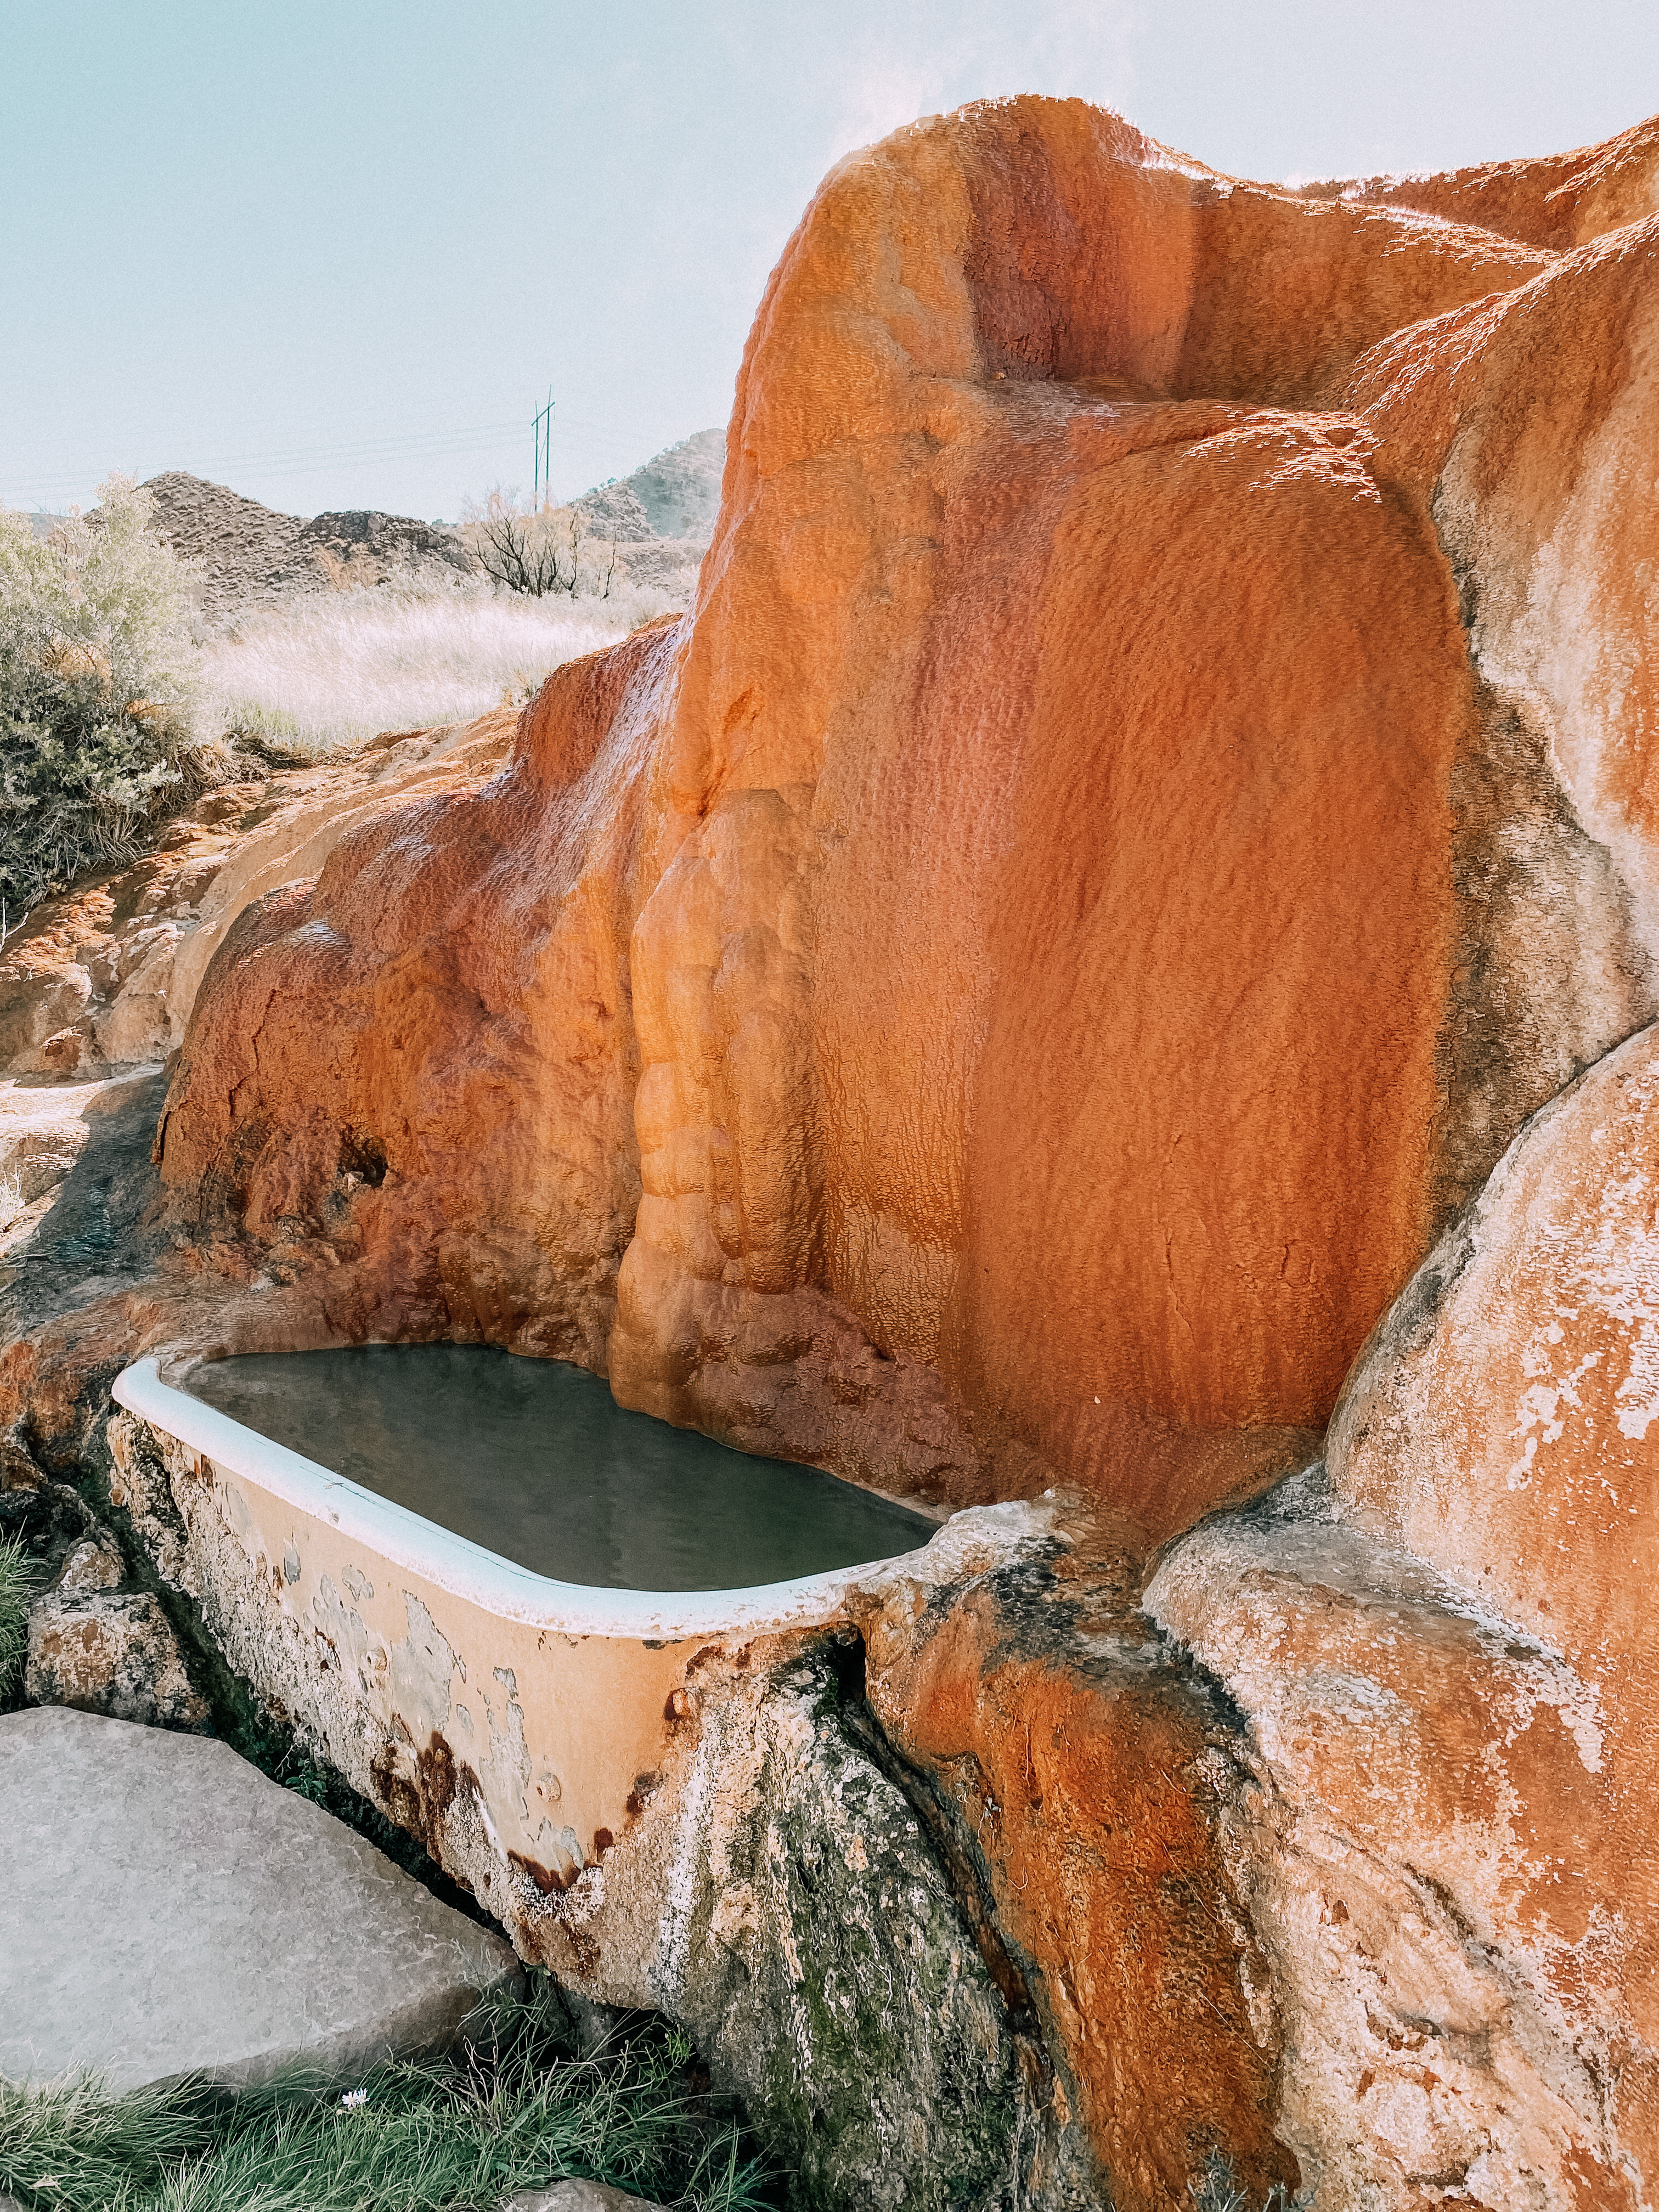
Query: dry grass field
x=330 y=671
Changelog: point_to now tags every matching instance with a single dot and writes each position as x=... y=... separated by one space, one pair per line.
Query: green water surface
x=536 y=1461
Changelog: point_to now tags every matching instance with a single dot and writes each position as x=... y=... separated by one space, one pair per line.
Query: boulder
x=1439 y=1646
x=103 y=1653
x=1420 y=1770
x=93 y=1563
x=1502 y=1428
x=169 y=1911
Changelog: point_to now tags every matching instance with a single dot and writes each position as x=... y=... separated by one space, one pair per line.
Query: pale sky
x=335 y=254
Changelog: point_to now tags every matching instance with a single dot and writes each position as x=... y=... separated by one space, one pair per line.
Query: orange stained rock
x=1504 y=1427
x=421 y=1066
x=1084 y=1773
x=1562 y=201
x=1015 y=983
x=1448 y=1942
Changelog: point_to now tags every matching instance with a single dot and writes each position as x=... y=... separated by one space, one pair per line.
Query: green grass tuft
x=1217 y=2189
x=17 y=1577
x=513 y=2109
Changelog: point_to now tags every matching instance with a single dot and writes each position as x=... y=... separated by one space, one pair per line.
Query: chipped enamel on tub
x=518 y=1725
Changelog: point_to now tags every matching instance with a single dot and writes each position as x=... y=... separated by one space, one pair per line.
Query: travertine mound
x=1021 y=978
x=105 y=976
x=1443 y=1653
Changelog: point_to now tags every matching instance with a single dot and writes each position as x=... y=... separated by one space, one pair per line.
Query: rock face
x=102 y=1653
x=1441 y=1652
x=1123 y=924
x=1101 y=1147
x=675 y=496
x=106 y=975
x=679 y=488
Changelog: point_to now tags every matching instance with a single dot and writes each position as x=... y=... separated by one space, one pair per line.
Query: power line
x=474 y=440
x=411 y=442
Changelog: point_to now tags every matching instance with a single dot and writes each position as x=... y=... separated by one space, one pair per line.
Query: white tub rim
x=408 y=1540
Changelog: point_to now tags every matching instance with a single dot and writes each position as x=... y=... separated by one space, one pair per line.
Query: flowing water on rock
x=536 y=1461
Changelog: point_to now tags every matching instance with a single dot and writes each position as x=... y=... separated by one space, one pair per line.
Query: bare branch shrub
x=538 y=552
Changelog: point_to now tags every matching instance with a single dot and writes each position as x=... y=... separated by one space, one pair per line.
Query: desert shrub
x=96 y=658
x=515 y=2108
x=540 y=553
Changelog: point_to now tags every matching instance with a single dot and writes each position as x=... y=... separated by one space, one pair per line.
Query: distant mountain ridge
x=679 y=488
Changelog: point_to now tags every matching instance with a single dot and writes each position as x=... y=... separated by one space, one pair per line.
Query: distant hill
x=661 y=518
x=680 y=489
x=252 y=556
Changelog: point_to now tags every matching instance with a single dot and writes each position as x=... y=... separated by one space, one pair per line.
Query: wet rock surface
x=168 y=1911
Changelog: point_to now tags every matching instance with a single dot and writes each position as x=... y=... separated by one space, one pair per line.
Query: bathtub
x=523 y=1728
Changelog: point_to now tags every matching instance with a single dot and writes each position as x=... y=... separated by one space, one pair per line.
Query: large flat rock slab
x=166 y=1910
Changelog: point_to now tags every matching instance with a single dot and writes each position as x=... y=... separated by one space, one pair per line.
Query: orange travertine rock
x=425 y=1059
x=1446 y=1670
x=1089 y=1777
x=1430 y=1780
x=107 y=974
x=1068 y=915
x=1563 y=201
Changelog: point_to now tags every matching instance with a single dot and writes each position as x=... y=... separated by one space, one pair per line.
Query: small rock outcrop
x=105 y=976
x=104 y=1653
x=92 y=1644
x=576 y=2196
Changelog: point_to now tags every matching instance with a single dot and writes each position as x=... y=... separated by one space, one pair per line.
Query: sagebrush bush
x=97 y=742
x=541 y=553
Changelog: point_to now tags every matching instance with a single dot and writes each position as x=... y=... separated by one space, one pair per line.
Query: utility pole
x=544 y=428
